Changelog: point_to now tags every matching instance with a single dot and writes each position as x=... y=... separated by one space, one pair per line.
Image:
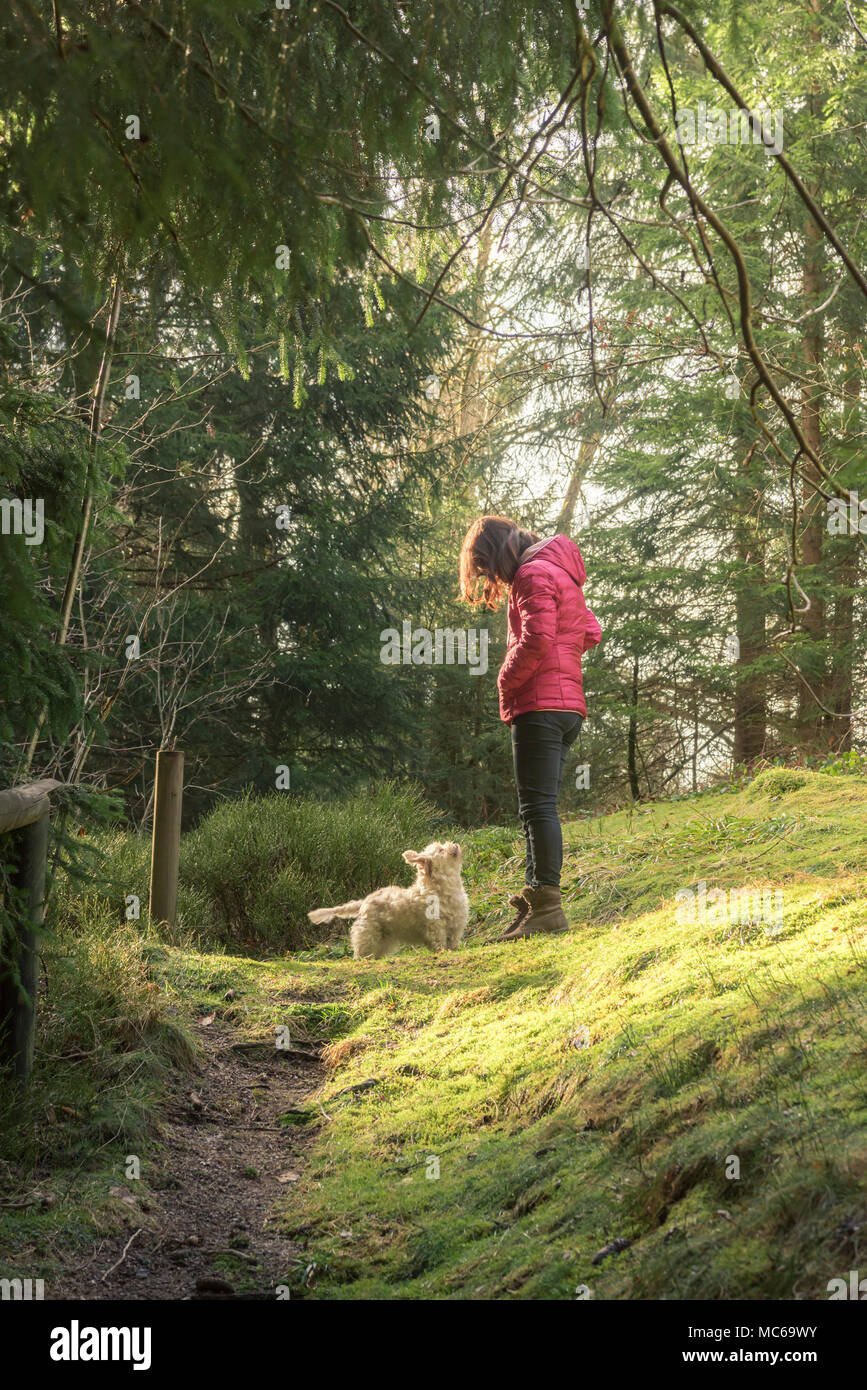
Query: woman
x=541 y=692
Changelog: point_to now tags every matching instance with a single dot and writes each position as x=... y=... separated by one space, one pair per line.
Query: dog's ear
x=421 y=861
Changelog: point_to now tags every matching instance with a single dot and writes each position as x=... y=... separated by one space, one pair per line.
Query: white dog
x=433 y=912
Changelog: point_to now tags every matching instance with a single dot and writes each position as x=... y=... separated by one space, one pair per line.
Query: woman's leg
x=569 y=737
x=540 y=745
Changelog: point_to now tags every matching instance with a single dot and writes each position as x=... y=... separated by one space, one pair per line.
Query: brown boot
x=520 y=902
x=546 y=914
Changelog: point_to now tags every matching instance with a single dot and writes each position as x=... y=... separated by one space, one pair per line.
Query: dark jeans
x=541 y=740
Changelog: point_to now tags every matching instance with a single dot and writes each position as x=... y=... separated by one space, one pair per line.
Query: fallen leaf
x=208 y=1018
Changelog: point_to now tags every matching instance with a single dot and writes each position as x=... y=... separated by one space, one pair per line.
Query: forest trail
x=205 y=1228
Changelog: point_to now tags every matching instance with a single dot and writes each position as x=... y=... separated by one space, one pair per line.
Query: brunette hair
x=491 y=552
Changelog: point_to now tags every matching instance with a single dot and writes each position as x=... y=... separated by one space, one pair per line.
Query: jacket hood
x=558 y=550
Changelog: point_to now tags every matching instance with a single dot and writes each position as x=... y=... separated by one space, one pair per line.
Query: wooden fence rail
x=24 y=816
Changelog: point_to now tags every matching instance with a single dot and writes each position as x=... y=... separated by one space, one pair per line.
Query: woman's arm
x=592 y=632
x=537 y=606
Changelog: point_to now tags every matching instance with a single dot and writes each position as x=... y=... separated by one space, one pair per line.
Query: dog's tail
x=325 y=914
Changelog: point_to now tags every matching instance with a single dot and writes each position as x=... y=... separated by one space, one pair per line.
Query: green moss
x=777 y=781
x=610 y=1083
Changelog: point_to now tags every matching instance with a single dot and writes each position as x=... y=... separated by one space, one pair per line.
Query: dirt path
x=205 y=1227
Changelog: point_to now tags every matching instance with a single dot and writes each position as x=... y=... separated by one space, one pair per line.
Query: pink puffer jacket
x=550 y=627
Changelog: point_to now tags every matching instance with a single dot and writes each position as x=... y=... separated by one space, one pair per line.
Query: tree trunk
x=812 y=722
x=632 y=739
x=472 y=409
x=750 y=708
x=847 y=554
x=750 y=700
x=586 y=454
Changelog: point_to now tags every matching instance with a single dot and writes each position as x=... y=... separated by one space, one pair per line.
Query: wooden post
x=166 y=845
x=24 y=816
x=20 y=1011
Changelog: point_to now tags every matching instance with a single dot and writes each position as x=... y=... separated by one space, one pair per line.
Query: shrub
x=852 y=764
x=122 y=870
x=777 y=781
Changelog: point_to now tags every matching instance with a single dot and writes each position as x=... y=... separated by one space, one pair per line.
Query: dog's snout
x=454 y=847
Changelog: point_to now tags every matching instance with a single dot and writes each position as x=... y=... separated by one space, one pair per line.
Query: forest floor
x=648 y=1107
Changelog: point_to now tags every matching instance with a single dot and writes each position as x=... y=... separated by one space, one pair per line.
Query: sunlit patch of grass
x=535 y=1101
x=334 y=1054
